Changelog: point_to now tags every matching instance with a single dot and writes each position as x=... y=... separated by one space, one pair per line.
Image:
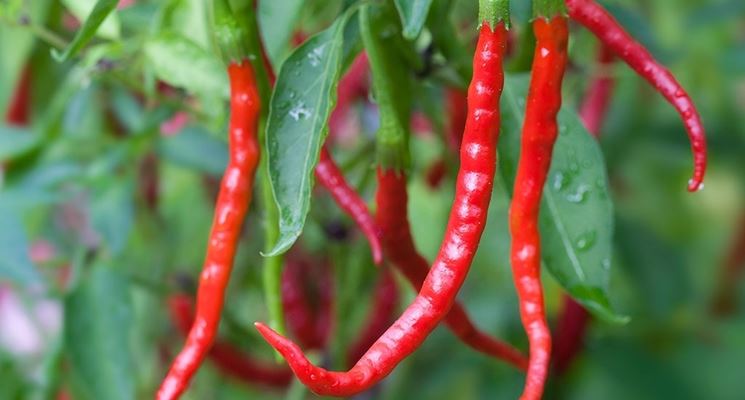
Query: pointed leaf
x=576 y=220
x=298 y=124
x=413 y=16
x=98 y=318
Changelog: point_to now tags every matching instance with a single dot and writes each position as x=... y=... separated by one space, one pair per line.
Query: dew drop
x=561 y=181
x=299 y=111
x=580 y=195
x=586 y=241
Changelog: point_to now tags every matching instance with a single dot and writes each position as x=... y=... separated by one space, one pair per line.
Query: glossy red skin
x=597 y=99
x=539 y=135
x=383 y=313
x=228 y=359
x=230 y=211
x=462 y=236
x=595 y=18
x=331 y=177
x=400 y=250
x=18 y=112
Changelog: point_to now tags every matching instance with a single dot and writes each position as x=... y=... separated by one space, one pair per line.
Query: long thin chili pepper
x=330 y=176
x=538 y=137
x=226 y=357
x=573 y=320
x=466 y=224
x=400 y=250
x=382 y=314
x=595 y=18
x=230 y=210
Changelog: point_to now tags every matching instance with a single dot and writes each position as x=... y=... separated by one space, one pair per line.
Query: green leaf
x=576 y=218
x=413 y=16
x=380 y=32
x=81 y=9
x=102 y=10
x=15 y=142
x=112 y=212
x=182 y=63
x=15 y=264
x=194 y=148
x=98 y=320
x=298 y=124
x=277 y=20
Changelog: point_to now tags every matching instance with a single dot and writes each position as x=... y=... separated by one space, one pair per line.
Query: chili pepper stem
x=494 y=12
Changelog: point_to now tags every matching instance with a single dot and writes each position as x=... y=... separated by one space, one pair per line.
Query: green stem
x=391 y=90
x=272 y=271
x=230 y=34
x=494 y=12
x=548 y=8
x=39 y=31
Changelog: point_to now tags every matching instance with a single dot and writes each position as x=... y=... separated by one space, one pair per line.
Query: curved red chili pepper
x=595 y=18
x=398 y=243
x=330 y=176
x=383 y=313
x=227 y=358
x=539 y=135
x=232 y=203
x=467 y=221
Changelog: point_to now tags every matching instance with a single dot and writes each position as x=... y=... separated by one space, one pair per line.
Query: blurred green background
x=86 y=264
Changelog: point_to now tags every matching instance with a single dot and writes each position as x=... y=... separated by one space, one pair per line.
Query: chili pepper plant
x=372 y=199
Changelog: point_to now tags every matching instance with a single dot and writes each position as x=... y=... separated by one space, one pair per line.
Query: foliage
x=90 y=262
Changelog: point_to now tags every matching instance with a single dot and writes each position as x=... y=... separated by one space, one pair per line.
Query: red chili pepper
x=227 y=358
x=18 y=112
x=399 y=248
x=383 y=313
x=539 y=135
x=307 y=298
x=595 y=104
x=330 y=176
x=595 y=18
x=467 y=221
x=232 y=204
